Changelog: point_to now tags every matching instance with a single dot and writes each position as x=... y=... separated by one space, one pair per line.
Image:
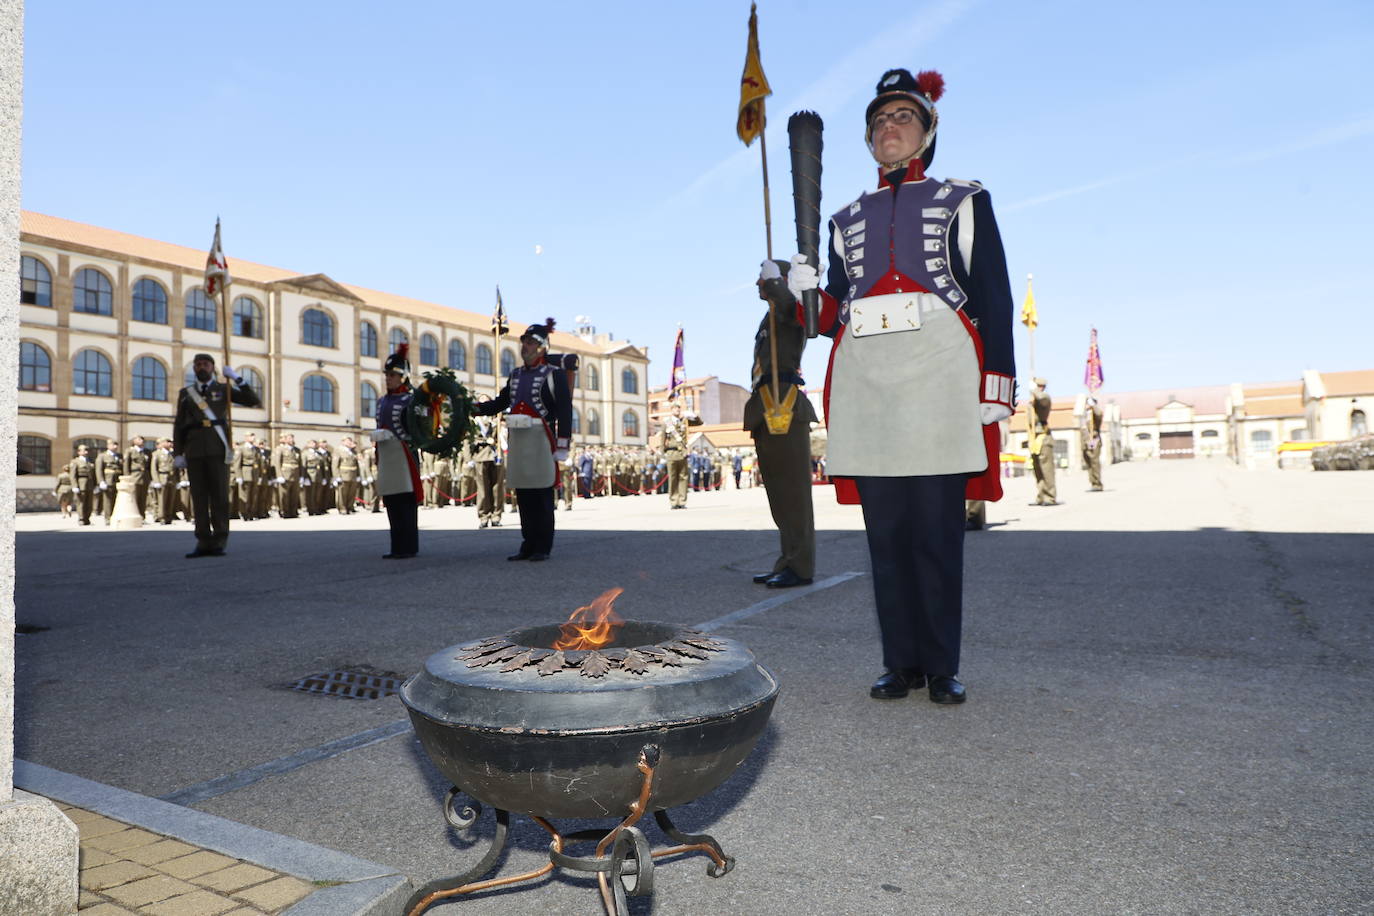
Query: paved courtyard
x=1171 y=697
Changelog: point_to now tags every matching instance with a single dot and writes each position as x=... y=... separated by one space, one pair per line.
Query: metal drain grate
x=351 y=684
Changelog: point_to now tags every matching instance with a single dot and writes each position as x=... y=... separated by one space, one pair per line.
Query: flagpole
x=768 y=238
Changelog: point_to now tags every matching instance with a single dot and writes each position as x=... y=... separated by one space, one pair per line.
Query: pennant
x=1029 y=317
x=217 y=276
x=1092 y=374
x=679 y=373
x=753 y=87
x=499 y=326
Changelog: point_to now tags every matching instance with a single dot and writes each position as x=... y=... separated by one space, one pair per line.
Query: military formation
x=288 y=480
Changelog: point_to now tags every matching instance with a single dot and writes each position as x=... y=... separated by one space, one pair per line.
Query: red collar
x=915 y=171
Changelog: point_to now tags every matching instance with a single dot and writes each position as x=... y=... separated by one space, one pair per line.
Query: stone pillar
x=38 y=844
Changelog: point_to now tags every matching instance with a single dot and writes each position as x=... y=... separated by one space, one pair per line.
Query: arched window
x=507 y=363
x=150 y=302
x=367 y=339
x=396 y=338
x=629 y=382
x=593 y=423
x=593 y=379
x=150 y=379
x=91 y=374
x=457 y=356
x=576 y=422
x=317 y=328
x=429 y=349
x=38 y=450
x=1210 y=434
x=1143 y=436
x=253 y=379
x=1261 y=441
x=247 y=318
x=200 y=311
x=368 y=406
x=91 y=292
x=483 y=359
x=1358 y=425
x=317 y=394
x=35 y=368
x=35 y=282
x=629 y=425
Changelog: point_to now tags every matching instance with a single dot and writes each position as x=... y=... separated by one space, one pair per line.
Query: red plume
x=931 y=83
x=548 y=323
x=404 y=350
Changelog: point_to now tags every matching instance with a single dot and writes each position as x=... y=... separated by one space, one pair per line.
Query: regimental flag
x=217 y=276
x=679 y=372
x=753 y=86
x=1092 y=375
x=499 y=327
x=1029 y=317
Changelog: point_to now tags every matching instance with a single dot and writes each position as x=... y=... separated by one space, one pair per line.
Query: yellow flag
x=1029 y=317
x=753 y=86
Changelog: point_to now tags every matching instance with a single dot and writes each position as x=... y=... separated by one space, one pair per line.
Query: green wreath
x=439 y=414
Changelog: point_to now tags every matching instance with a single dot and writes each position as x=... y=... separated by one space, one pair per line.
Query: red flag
x=679 y=373
x=216 y=267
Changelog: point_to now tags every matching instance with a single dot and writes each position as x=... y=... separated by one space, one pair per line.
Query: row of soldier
x=290 y=480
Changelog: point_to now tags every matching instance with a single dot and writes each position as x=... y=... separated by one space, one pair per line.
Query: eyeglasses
x=901 y=117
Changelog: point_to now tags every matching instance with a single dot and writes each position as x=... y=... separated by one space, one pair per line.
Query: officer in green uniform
x=347 y=471
x=785 y=458
x=1042 y=446
x=244 y=472
x=287 y=461
x=83 y=478
x=136 y=468
x=109 y=465
x=489 y=490
x=672 y=442
x=163 y=477
x=1092 y=443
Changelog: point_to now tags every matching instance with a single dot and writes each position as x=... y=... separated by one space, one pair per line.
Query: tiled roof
x=69 y=232
x=1139 y=405
x=1345 y=384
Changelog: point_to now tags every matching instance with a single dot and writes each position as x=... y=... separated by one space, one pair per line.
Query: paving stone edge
x=364 y=888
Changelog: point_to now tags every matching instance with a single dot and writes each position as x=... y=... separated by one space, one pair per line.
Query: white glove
x=336 y=481
x=993 y=413
x=381 y=435
x=179 y=462
x=75 y=490
x=156 y=485
x=238 y=480
x=305 y=482
x=768 y=270
x=103 y=486
x=184 y=485
x=561 y=455
x=802 y=276
x=229 y=373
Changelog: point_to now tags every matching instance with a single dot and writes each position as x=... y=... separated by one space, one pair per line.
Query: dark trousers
x=915 y=528
x=209 y=480
x=403 y=515
x=536 y=519
x=786 y=463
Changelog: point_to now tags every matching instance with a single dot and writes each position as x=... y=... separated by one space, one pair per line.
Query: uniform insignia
x=934 y=264
x=941 y=280
x=935 y=212
x=932 y=229
x=857 y=226
x=854 y=208
x=892 y=80
x=854 y=254
x=856 y=272
x=945 y=191
x=934 y=245
x=854 y=240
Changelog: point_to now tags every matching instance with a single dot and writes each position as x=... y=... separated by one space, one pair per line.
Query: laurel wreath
x=440 y=414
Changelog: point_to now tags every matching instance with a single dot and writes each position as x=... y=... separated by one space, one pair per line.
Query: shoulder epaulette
x=965 y=183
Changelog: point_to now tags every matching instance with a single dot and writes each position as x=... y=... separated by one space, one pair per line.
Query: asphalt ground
x=1170 y=705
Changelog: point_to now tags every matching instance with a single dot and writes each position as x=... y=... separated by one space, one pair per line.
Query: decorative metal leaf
x=552 y=663
x=669 y=659
x=634 y=662
x=686 y=649
x=615 y=655
x=653 y=653
x=595 y=665
x=704 y=642
x=483 y=647
x=518 y=662
x=538 y=655
x=508 y=653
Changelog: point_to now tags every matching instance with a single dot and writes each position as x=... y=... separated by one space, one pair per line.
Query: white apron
x=393 y=468
x=529 y=461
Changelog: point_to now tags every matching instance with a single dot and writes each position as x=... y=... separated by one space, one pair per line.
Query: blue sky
x=1191 y=178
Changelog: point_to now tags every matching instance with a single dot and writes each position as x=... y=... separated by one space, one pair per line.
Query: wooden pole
x=768 y=237
x=224 y=338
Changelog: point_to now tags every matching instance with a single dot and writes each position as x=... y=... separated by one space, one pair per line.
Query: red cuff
x=998 y=389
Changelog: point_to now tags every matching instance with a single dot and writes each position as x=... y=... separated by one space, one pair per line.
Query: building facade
x=110 y=322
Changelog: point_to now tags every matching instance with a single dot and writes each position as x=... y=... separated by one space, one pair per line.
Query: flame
x=593 y=626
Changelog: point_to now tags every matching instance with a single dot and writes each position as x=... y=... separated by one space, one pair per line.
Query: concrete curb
x=363 y=888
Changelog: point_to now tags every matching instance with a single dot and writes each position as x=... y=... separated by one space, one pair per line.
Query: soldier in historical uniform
x=136 y=468
x=1092 y=443
x=921 y=373
x=672 y=441
x=84 y=480
x=245 y=472
x=786 y=456
x=200 y=441
x=286 y=460
x=163 y=476
x=347 y=470
x=1042 y=446
x=109 y=465
x=538 y=409
x=398 y=473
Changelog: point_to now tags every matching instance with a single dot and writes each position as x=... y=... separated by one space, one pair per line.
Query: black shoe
x=199 y=553
x=786 y=579
x=896 y=683
x=946 y=689
x=522 y=555
x=763 y=578
x=397 y=556
x=538 y=557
